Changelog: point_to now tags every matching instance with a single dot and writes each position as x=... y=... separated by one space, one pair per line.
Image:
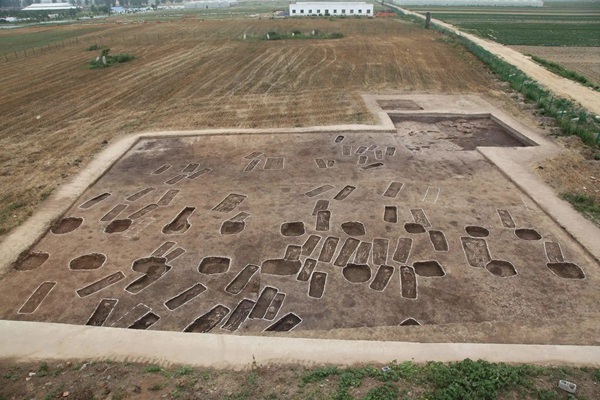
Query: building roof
x=326 y=3
x=50 y=7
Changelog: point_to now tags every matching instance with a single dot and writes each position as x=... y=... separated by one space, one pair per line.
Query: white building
x=303 y=9
x=50 y=7
x=210 y=4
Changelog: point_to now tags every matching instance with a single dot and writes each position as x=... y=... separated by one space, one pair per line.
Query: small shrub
x=106 y=60
x=43 y=369
x=95 y=47
x=273 y=36
x=123 y=57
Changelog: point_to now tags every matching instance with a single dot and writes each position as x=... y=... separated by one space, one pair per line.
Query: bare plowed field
x=585 y=60
x=57 y=113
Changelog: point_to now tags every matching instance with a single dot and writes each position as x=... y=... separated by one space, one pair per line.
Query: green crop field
x=14 y=40
x=555 y=24
x=533 y=30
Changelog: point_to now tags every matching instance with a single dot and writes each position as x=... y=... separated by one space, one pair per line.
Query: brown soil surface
x=57 y=113
x=585 y=60
x=173 y=267
x=572 y=172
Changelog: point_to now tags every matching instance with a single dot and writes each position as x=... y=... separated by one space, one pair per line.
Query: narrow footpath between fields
x=562 y=87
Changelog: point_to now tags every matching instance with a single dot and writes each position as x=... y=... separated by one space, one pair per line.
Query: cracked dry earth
x=323 y=231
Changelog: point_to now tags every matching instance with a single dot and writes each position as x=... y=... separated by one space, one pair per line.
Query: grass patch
x=476 y=380
x=565 y=73
x=385 y=392
x=588 y=206
x=464 y=380
x=6 y=211
x=314 y=34
x=153 y=369
x=41 y=38
x=185 y=370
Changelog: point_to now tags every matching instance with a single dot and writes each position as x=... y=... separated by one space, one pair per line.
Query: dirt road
x=587 y=97
x=584 y=60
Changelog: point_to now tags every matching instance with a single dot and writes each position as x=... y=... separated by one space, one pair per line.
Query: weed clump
x=588 y=206
x=95 y=47
x=296 y=34
x=565 y=73
x=106 y=60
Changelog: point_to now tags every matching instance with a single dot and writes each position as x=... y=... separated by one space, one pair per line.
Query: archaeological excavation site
x=407 y=230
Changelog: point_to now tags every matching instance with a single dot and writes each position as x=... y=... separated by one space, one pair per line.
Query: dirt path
x=587 y=97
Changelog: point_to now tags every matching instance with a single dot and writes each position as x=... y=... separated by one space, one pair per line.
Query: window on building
x=351 y=11
x=326 y=12
x=360 y=11
x=335 y=11
x=343 y=11
x=293 y=11
x=318 y=11
x=301 y=11
x=368 y=11
x=310 y=11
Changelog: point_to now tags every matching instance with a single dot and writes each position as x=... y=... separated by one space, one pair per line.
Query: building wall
x=207 y=4
x=333 y=8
